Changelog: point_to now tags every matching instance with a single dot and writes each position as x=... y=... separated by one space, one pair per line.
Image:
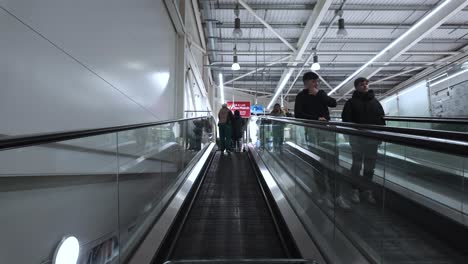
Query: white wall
x=449 y=98
x=412 y=101
x=197 y=88
x=445 y=97
x=84 y=64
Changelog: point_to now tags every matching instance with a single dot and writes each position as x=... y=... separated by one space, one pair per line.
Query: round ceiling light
x=67 y=251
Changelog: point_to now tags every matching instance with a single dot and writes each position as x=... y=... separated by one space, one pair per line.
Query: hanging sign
x=256 y=109
x=243 y=107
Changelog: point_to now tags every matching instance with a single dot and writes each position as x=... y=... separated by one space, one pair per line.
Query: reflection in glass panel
x=151 y=165
x=50 y=190
x=140 y=180
x=361 y=165
x=361 y=196
x=436 y=175
x=104 y=252
x=420 y=184
x=465 y=192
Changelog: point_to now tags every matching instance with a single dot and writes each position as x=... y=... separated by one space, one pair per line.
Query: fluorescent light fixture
x=449 y=77
x=438 y=77
x=409 y=31
x=221 y=87
x=280 y=88
x=67 y=251
x=315 y=65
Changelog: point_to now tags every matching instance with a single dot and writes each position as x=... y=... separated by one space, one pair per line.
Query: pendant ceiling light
x=341 y=25
x=316 y=64
x=235 y=63
x=237 y=32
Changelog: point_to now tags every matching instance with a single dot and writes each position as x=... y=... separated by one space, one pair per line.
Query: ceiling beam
x=358 y=7
x=385 y=63
x=246 y=6
x=351 y=67
x=332 y=52
x=249 y=25
x=247 y=90
x=395 y=75
x=339 y=40
x=411 y=37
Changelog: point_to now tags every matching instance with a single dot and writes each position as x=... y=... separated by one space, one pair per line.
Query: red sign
x=243 y=107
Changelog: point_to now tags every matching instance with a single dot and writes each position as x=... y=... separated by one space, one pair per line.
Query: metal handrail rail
x=235 y=261
x=430 y=143
x=11 y=142
x=451 y=120
x=420 y=119
x=441 y=134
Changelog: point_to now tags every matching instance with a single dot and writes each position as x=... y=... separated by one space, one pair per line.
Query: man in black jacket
x=363 y=108
x=312 y=103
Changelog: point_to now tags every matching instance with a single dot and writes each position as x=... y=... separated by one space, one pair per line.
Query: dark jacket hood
x=364 y=96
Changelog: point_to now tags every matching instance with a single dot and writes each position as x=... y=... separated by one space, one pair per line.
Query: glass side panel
x=361 y=197
x=59 y=189
x=361 y=167
x=152 y=162
x=105 y=190
x=465 y=192
x=429 y=125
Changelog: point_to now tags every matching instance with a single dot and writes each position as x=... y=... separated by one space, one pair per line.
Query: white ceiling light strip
x=280 y=88
x=449 y=77
x=221 y=87
x=413 y=28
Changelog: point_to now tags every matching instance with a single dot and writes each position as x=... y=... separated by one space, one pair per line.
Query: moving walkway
x=160 y=192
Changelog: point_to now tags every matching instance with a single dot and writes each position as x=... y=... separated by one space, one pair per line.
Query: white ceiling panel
x=438 y=46
x=389 y=17
x=364 y=47
x=368 y=33
x=381 y=27
x=448 y=34
x=288 y=16
x=459 y=18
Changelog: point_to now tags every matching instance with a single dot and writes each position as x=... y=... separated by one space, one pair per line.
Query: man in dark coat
x=363 y=108
x=312 y=103
x=237 y=131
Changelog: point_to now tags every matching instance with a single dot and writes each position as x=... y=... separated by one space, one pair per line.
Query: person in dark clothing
x=312 y=103
x=278 y=128
x=237 y=130
x=225 y=119
x=363 y=108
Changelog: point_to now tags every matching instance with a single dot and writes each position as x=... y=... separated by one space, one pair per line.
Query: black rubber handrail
x=451 y=120
x=429 y=143
x=441 y=134
x=240 y=261
x=419 y=119
x=10 y=142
